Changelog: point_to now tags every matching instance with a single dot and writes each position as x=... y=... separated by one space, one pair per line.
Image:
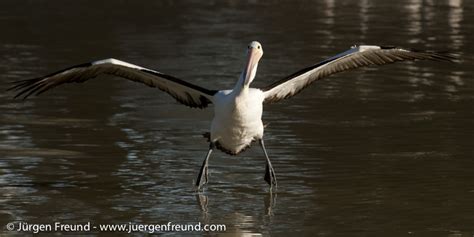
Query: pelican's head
x=254 y=53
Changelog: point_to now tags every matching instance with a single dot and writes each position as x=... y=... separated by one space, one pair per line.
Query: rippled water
x=375 y=152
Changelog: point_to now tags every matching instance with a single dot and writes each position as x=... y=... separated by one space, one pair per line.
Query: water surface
x=374 y=152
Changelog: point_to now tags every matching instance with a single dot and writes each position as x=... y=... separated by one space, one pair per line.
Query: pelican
x=237 y=121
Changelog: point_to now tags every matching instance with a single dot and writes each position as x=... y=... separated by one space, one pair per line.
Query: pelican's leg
x=270 y=176
x=203 y=173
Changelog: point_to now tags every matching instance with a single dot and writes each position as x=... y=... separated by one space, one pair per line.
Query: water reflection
x=270 y=203
x=414 y=26
x=455 y=16
x=364 y=15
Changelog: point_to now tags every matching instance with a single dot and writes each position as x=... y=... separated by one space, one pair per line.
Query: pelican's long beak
x=254 y=56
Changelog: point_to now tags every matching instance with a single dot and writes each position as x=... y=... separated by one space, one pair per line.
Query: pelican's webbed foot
x=270 y=176
x=203 y=176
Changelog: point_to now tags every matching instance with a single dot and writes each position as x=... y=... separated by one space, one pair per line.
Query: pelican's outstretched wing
x=184 y=92
x=357 y=56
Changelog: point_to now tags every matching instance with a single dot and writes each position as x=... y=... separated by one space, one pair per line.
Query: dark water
x=375 y=152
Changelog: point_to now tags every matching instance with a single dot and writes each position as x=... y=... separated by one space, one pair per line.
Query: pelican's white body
x=237 y=118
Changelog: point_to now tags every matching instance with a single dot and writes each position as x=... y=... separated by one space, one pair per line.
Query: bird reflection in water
x=269 y=203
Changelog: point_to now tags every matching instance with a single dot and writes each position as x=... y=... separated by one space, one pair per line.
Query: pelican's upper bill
x=254 y=53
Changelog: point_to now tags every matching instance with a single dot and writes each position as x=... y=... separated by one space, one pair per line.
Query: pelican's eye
x=258 y=47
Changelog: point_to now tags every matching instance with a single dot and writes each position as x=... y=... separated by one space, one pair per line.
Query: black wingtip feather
x=31 y=86
x=25 y=86
x=446 y=56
